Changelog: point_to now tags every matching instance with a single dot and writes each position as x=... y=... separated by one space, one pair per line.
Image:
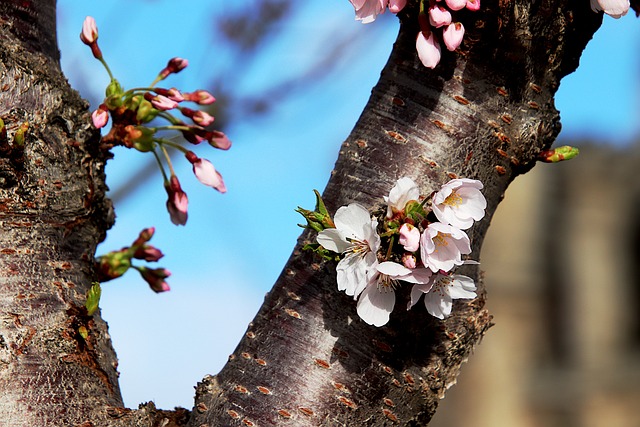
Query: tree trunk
x=307 y=359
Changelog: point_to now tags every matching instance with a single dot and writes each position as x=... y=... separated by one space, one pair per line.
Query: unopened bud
x=559 y=154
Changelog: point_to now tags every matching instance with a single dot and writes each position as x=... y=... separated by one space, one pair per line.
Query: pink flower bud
x=452 y=35
x=144 y=236
x=89 y=33
x=216 y=138
x=155 y=278
x=177 y=203
x=409 y=237
x=456 y=4
x=428 y=50
x=192 y=137
x=206 y=173
x=199 y=117
x=439 y=16
x=201 y=97
x=473 y=5
x=100 y=117
x=148 y=253
x=409 y=261
x=173 y=94
x=175 y=65
x=160 y=102
x=396 y=6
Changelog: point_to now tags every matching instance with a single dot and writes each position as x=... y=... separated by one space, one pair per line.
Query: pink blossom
x=428 y=50
x=396 y=6
x=473 y=5
x=177 y=203
x=613 y=8
x=206 y=173
x=409 y=237
x=89 y=33
x=100 y=117
x=452 y=35
x=368 y=10
x=439 y=16
x=456 y=4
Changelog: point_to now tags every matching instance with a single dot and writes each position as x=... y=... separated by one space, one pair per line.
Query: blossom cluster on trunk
x=413 y=240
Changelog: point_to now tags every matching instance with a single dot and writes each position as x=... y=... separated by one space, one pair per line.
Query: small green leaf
x=566 y=152
x=93 y=298
x=83 y=332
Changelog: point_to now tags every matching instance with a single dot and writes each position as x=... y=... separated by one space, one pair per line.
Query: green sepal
x=144 y=110
x=18 y=137
x=114 y=89
x=320 y=250
x=3 y=132
x=93 y=298
x=415 y=211
x=319 y=219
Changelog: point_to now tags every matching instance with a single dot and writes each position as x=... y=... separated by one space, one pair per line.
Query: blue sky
x=225 y=259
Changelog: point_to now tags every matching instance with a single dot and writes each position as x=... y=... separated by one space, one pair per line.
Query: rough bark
x=52 y=214
x=484 y=113
x=307 y=359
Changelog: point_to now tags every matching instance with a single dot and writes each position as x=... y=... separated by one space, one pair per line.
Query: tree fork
x=484 y=112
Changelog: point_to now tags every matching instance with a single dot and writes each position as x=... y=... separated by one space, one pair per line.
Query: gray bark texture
x=485 y=112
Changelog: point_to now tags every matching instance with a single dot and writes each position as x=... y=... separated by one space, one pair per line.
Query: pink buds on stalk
x=452 y=35
x=206 y=173
x=201 y=97
x=155 y=278
x=174 y=66
x=100 y=117
x=199 y=117
x=177 y=203
x=89 y=36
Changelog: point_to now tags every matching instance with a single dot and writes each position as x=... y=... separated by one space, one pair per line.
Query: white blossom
x=402 y=192
x=440 y=292
x=459 y=202
x=378 y=298
x=356 y=238
x=613 y=8
x=442 y=246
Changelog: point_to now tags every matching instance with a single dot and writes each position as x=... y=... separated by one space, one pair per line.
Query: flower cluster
x=437 y=23
x=114 y=264
x=614 y=8
x=416 y=241
x=368 y=10
x=132 y=110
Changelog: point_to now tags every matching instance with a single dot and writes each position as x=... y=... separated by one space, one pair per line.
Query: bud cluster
x=114 y=264
x=436 y=19
x=131 y=112
x=414 y=239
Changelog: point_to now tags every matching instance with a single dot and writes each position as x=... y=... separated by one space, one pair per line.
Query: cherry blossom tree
x=482 y=109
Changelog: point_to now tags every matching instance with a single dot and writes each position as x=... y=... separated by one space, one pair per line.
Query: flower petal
x=374 y=307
